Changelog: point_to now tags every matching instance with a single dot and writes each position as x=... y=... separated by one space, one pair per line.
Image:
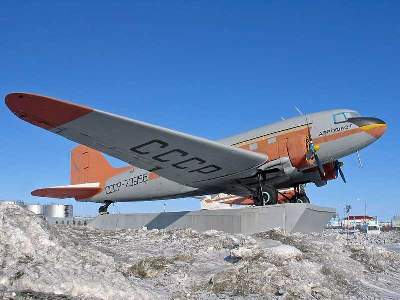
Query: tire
x=303 y=199
x=103 y=208
x=270 y=195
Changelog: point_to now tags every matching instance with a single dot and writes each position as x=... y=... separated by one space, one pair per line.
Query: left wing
x=180 y=157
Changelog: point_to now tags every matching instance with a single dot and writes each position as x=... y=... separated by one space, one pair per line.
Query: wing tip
x=43 y=111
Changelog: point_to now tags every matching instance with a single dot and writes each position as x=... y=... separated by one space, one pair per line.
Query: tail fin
x=90 y=166
x=89 y=172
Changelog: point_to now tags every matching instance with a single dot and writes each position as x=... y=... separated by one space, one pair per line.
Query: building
x=357 y=221
x=396 y=222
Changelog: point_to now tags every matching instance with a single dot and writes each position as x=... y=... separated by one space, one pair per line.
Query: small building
x=334 y=223
x=396 y=222
x=371 y=227
x=357 y=221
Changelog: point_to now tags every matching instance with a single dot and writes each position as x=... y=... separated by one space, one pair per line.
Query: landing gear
x=300 y=195
x=302 y=199
x=103 y=208
x=269 y=195
x=265 y=195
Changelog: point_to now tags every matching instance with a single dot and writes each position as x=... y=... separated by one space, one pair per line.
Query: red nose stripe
x=44 y=112
x=377 y=131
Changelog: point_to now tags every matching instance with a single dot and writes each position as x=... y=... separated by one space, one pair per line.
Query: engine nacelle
x=330 y=171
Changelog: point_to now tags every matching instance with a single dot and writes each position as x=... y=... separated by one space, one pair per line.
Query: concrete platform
x=297 y=217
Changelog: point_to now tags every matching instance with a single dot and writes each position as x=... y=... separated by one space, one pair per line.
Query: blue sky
x=208 y=68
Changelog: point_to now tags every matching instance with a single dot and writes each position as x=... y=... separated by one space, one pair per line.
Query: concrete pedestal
x=297 y=217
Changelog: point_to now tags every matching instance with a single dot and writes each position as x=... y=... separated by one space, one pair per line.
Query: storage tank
x=37 y=209
x=58 y=211
x=20 y=203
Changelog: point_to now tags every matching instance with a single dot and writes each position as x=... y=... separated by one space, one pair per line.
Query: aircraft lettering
x=174 y=157
x=335 y=130
x=135 y=149
x=211 y=169
x=126 y=183
x=193 y=159
x=158 y=157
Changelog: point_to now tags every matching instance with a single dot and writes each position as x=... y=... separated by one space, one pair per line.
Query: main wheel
x=303 y=199
x=269 y=196
x=103 y=208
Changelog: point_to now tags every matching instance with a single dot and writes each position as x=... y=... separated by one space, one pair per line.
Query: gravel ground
x=61 y=262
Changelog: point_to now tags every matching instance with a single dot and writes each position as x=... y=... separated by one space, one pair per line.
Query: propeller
x=312 y=151
x=360 y=163
x=312 y=154
x=311 y=147
x=338 y=169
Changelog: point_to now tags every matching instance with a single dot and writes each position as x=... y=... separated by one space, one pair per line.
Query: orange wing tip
x=42 y=111
x=78 y=191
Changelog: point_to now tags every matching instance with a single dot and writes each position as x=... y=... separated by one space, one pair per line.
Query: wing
x=77 y=191
x=180 y=157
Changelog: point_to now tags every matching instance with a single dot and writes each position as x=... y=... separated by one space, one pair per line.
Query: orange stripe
x=153 y=176
x=336 y=136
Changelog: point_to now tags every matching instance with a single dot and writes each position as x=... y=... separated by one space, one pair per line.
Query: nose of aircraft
x=373 y=126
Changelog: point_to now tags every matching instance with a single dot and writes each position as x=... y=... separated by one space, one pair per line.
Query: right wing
x=183 y=158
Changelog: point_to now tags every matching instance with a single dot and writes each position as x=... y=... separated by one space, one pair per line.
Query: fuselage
x=337 y=133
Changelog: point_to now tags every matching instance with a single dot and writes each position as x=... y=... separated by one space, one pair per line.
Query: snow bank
x=65 y=262
x=33 y=258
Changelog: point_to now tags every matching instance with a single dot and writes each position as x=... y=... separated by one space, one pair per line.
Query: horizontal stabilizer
x=77 y=191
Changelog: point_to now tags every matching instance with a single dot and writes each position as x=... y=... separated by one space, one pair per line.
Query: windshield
x=344 y=116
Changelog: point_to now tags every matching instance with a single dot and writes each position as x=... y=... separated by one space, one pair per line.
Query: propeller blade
x=319 y=164
x=309 y=155
x=342 y=175
x=338 y=168
x=360 y=164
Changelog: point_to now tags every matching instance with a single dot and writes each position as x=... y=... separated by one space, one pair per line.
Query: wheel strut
x=300 y=195
x=258 y=195
x=260 y=190
x=103 y=208
x=265 y=195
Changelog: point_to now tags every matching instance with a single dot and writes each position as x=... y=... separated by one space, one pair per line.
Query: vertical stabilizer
x=90 y=166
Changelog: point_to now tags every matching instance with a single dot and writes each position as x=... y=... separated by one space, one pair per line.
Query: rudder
x=90 y=166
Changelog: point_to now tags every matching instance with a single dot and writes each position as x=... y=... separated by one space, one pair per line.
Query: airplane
x=167 y=164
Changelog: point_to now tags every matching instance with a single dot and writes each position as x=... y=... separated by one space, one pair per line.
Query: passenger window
x=339 y=118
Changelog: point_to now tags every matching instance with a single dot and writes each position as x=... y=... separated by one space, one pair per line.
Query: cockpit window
x=348 y=115
x=339 y=118
x=344 y=116
x=355 y=114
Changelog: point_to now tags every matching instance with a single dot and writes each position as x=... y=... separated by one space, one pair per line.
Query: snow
x=39 y=261
x=36 y=258
x=286 y=252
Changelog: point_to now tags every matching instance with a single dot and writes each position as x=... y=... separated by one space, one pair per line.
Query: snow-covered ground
x=60 y=262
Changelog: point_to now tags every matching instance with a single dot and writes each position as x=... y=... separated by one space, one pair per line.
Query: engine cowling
x=330 y=171
x=297 y=146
